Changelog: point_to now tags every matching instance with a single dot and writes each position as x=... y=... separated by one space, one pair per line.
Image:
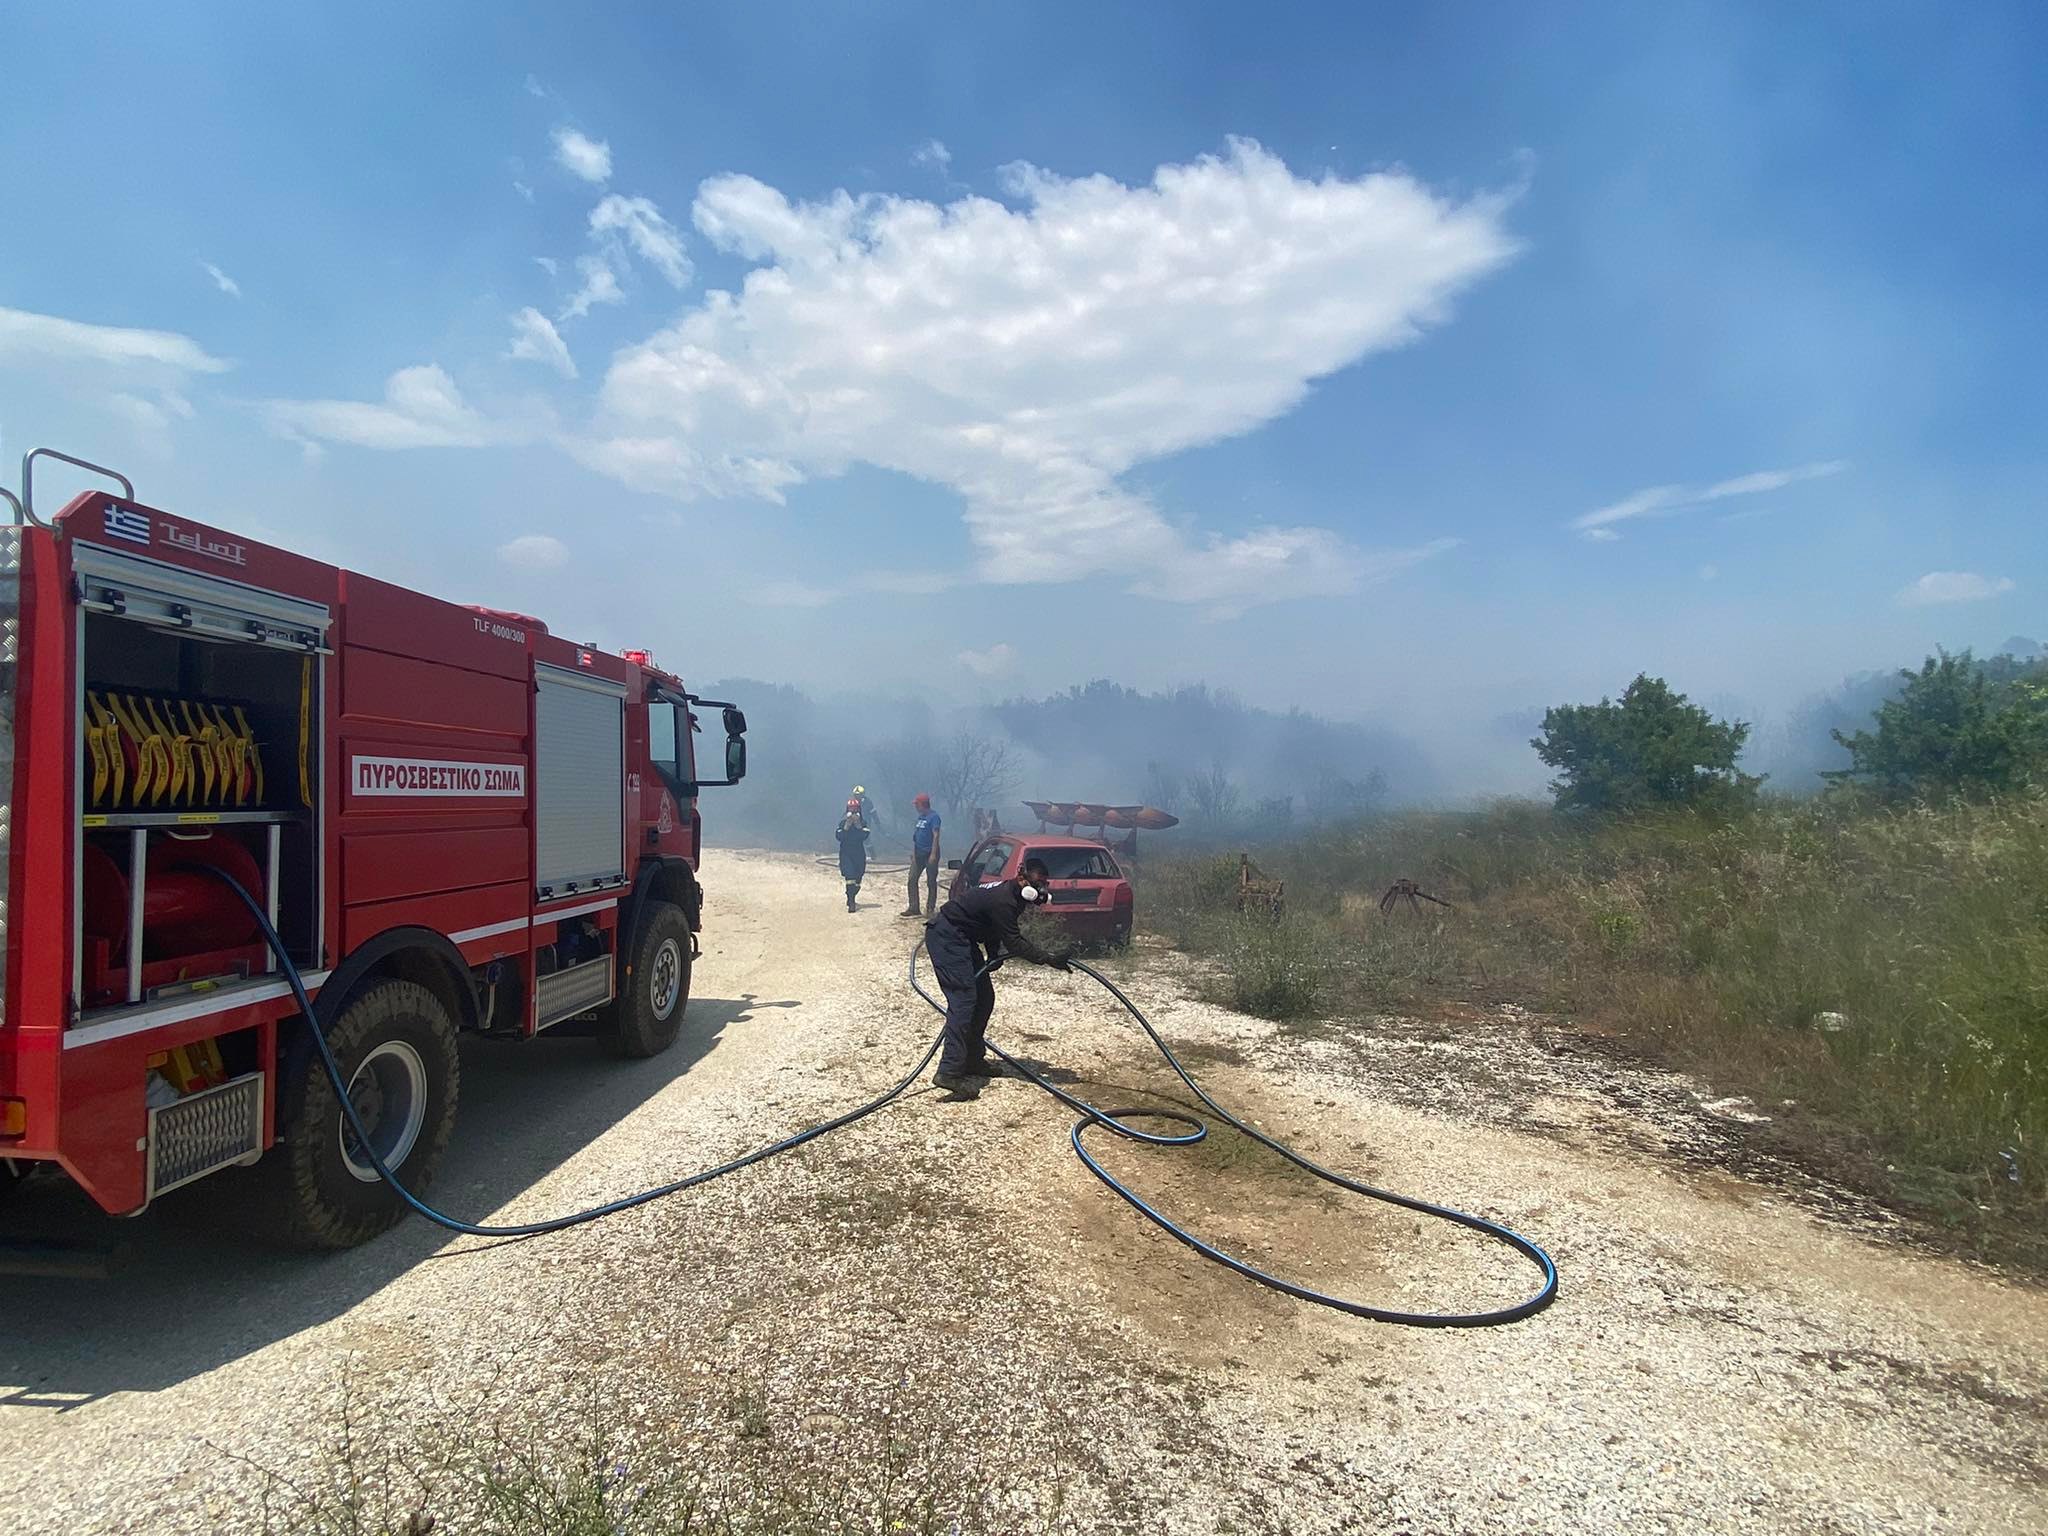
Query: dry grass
x=725 y=1466
x=1885 y=969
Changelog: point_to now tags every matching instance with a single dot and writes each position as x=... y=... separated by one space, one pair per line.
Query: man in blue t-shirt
x=924 y=855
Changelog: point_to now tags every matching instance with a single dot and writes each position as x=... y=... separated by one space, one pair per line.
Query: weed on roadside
x=672 y=1466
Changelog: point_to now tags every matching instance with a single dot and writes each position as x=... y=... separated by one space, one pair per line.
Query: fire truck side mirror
x=735 y=756
x=735 y=721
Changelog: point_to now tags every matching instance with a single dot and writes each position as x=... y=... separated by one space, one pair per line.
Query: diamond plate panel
x=205 y=1131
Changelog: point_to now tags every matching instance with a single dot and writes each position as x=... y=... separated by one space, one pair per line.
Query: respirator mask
x=1033 y=894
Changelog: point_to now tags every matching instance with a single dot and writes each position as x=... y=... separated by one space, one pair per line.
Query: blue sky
x=1421 y=362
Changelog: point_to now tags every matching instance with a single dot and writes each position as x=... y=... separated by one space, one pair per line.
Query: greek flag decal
x=126 y=523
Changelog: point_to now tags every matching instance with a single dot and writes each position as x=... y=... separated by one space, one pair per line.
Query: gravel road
x=1730 y=1351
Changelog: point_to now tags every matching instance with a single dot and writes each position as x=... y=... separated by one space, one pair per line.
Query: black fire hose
x=1113 y=1120
x=828 y=861
x=1090 y=1115
x=555 y=1223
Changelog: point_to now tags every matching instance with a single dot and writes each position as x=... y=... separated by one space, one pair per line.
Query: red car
x=1090 y=896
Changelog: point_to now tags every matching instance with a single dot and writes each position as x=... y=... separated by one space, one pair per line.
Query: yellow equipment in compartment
x=190 y=1068
x=158 y=753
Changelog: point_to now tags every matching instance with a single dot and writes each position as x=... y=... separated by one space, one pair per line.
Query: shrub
x=1653 y=748
x=1277 y=968
x=1952 y=730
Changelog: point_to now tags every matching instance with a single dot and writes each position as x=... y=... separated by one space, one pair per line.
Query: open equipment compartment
x=200 y=710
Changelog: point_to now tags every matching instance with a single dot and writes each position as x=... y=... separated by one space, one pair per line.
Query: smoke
x=1226 y=768
x=1231 y=770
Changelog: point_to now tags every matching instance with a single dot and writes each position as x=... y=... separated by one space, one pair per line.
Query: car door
x=983 y=863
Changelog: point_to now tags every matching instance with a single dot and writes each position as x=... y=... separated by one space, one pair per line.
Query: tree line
x=1956 y=727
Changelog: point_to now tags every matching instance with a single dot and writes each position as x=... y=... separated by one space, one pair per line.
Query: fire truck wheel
x=396 y=1046
x=646 y=1021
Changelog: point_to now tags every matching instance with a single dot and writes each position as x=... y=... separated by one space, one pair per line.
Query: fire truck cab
x=456 y=821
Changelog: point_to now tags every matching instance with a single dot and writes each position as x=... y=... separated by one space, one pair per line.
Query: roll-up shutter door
x=580 y=776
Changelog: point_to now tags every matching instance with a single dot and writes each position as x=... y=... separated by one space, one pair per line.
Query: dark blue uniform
x=969 y=930
x=853 y=856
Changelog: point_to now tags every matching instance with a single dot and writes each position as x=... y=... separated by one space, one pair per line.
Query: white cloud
x=600 y=286
x=1953 y=587
x=1656 y=498
x=1663 y=500
x=535 y=551
x=1709 y=572
x=422 y=409
x=522 y=189
x=588 y=158
x=1772 y=479
x=535 y=89
x=933 y=155
x=1028 y=357
x=618 y=224
x=640 y=224
x=535 y=339
x=547 y=264
x=993 y=662
x=221 y=280
x=46 y=338
x=1231 y=575
x=150 y=417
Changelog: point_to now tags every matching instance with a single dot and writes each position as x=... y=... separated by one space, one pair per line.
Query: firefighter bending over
x=979 y=925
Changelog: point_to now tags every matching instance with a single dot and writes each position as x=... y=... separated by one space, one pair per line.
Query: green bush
x=1955 y=728
x=1651 y=748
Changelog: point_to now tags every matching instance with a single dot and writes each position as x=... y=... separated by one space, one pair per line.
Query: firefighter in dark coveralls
x=973 y=928
x=853 y=850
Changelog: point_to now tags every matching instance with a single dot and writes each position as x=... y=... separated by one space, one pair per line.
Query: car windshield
x=1075 y=863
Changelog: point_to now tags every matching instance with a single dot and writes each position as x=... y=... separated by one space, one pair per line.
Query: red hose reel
x=192 y=925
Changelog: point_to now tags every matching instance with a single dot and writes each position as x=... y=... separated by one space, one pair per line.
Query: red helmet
x=924 y=801
x=853 y=805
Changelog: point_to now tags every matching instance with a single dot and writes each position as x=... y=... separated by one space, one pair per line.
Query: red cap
x=922 y=800
x=853 y=805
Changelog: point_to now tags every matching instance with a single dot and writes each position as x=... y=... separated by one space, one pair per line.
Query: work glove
x=1063 y=961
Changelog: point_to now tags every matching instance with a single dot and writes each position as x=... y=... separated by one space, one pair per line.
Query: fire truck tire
x=647 y=1019
x=396 y=1046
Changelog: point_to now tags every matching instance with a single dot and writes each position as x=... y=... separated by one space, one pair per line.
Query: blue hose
x=522 y=1228
x=1112 y=1120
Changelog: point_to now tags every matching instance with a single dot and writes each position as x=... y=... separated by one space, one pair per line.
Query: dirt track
x=1724 y=1355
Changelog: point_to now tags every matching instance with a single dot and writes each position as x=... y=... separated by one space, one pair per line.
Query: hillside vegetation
x=1887 y=970
x=1877 y=956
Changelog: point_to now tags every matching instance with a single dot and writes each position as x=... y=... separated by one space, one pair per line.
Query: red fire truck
x=457 y=821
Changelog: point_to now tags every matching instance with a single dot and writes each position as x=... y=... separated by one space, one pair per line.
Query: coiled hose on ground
x=1110 y=1120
